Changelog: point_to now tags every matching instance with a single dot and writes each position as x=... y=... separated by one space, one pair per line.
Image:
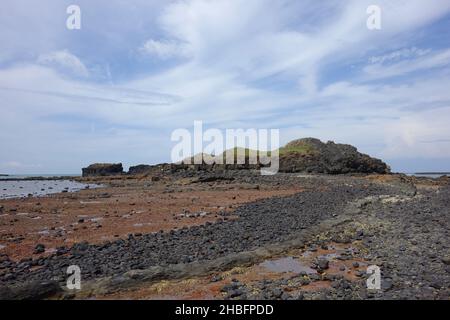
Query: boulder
x=40 y=248
x=103 y=169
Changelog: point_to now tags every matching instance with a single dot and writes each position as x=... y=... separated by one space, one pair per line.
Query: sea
x=21 y=186
x=433 y=175
x=30 y=176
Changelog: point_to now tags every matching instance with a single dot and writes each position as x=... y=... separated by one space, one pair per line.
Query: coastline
x=33 y=177
x=175 y=214
x=21 y=181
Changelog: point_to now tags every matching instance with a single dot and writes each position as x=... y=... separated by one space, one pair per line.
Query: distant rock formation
x=313 y=156
x=308 y=155
x=102 y=169
x=140 y=169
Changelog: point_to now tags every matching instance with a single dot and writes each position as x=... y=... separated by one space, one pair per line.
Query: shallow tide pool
x=38 y=188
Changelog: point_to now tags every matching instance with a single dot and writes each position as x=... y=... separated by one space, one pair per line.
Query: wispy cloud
x=166 y=49
x=424 y=61
x=405 y=53
x=64 y=60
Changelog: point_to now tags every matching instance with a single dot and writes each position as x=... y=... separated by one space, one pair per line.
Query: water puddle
x=330 y=256
x=288 y=264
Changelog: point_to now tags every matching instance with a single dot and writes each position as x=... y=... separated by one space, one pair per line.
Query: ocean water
x=25 y=176
x=38 y=188
x=429 y=175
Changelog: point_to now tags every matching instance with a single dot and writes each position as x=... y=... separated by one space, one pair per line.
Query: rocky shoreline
x=329 y=213
x=396 y=222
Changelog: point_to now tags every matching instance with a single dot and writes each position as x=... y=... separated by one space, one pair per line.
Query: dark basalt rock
x=308 y=155
x=30 y=291
x=313 y=156
x=103 y=169
x=40 y=248
x=140 y=169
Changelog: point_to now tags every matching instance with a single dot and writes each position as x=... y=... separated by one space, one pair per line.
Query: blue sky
x=116 y=89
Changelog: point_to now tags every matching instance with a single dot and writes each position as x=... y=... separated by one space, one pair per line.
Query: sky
x=114 y=90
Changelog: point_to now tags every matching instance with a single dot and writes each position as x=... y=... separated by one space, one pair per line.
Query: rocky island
x=102 y=169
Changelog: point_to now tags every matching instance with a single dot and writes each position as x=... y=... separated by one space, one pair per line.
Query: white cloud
x=38 y=91
x=166 y=49
x=421 y=135
x=421 y=62
x=65 y=61
x=399 y=54
x=217 y=82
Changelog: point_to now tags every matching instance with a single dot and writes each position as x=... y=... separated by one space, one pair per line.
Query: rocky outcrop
x=154 y=169
x=308 y=155
x=33 y=290
x=140 y=169
x=313 y=156
x=102 y=169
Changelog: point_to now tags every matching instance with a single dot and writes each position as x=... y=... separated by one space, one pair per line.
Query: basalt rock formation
x=140 y=169
x=102 y=169
x=308 y=155
x=313 y=156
